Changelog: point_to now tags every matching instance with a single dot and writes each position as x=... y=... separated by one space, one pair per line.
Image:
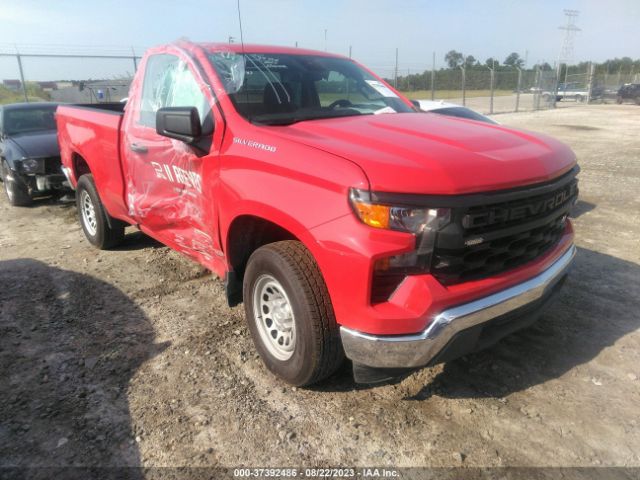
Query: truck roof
x=256 y=48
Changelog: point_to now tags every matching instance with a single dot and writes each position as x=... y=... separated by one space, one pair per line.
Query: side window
x=168 y=82
x=185 y=91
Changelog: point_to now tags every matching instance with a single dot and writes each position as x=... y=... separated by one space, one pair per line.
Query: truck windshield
x=29 y=119
x=281 y=89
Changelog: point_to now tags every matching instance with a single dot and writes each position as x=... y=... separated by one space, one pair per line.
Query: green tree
x=491 y=62
x=454 y=59
x=470 y=61
x=514 y=60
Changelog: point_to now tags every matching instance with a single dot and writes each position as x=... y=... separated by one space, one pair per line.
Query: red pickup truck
x=347 y=222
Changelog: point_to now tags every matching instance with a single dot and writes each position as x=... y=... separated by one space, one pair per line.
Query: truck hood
x=435 y=154
x=36 y=144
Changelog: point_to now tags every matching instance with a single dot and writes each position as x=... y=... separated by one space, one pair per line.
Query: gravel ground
x=131 y=356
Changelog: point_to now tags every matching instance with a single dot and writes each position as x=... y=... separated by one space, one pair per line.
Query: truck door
x=169 y=183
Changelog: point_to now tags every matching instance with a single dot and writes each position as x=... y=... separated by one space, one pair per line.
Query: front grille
x=52 y=165
x=494 y=233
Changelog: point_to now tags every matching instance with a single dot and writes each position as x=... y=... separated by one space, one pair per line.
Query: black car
x=29 y=153
x=629 y=91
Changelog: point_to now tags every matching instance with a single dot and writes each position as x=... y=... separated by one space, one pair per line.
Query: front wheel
x=289 y=314
x=17 y=194
x=93 y=216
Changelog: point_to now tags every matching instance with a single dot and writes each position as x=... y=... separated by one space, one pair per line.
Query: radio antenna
x=240 y=22
x=244 y=56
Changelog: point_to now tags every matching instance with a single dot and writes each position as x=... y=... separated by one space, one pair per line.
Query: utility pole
x=395 y=75
x=349 y=51
x=24 y=85
x=325 y=39
x=135 y=60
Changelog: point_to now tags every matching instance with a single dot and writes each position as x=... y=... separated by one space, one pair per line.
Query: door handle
x=136 y=147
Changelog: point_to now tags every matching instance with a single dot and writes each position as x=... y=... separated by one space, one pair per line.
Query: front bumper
x=438 y=341
x=38 y=184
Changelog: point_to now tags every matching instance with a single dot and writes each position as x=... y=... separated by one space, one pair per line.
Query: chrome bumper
x=406 y=351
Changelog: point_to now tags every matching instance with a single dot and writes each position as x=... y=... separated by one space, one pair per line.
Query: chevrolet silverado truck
x=347 y=222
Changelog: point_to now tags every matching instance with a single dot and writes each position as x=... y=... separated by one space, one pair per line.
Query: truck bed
x=92 y=131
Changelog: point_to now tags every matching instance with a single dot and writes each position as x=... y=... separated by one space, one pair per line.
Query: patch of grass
x=34 y=94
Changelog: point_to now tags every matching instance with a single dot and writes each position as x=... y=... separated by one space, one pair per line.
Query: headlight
x=30 y=165
x=423 y=222
x=396 y=217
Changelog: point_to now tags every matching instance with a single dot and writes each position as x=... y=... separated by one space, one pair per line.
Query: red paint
x=303 y=186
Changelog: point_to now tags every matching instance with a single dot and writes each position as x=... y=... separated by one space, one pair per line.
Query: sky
x=373 y=28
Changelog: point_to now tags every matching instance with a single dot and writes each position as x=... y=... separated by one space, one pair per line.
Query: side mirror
x=181 y=123
x=416 y=104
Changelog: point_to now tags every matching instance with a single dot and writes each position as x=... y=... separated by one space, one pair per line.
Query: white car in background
x=452 y=110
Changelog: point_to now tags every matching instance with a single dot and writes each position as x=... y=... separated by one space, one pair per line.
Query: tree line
x=506 y=72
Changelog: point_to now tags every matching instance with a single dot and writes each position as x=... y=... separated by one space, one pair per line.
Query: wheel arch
x=246 y=233
x=79 y=166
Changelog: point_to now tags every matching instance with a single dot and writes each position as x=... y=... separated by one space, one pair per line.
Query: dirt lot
x=132 y=356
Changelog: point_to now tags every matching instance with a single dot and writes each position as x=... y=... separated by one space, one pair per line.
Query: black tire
x=17 y=194
x=100 y=235
x=317 y=350
x=619 y=100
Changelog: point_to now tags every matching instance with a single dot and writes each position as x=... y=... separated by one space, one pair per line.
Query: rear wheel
x=289 y=314
x=93 y=216
x=17 y=194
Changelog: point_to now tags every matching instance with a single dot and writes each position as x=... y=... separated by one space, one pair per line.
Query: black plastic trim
x=472 y=199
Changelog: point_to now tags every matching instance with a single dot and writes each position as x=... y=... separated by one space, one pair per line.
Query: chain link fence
x=71 y=75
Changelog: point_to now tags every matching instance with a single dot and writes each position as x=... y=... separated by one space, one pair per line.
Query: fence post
x=518 y=87
x=491 y=81
x=135 y=61
x=24 y=85
x=536 y=100
x=590 y=72
x=433 y=79
x=464 y=79
x=395 y=73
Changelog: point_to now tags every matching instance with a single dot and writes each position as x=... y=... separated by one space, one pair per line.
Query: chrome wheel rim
x=88 y=213
x=274 y=317
x=8 y=185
